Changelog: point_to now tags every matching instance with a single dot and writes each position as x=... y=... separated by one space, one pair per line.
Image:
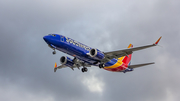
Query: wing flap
x=139 y=65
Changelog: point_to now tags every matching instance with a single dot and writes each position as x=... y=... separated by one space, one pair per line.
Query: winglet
x=130 y=46
x=55 y=65
x=158 y=41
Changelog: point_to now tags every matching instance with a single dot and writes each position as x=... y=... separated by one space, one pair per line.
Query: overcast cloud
x=26 y=62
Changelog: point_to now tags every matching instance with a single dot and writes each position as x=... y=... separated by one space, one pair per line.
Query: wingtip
x=130 y=46
x=158 y=41
x=55 y=69
x=153 y=63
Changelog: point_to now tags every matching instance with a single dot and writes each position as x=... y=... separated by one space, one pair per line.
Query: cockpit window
x=52 y=34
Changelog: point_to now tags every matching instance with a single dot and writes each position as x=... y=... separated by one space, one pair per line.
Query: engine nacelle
x=94 y=53
x=64 y=60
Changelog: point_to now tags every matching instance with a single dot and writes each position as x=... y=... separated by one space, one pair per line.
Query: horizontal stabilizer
x=140 y=65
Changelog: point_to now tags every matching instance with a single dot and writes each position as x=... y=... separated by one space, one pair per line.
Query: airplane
x=85 y=56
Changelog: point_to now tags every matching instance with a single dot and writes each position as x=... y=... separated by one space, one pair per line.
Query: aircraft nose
x=45 y=38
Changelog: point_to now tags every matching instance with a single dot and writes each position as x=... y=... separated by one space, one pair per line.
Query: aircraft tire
x=84 y=69
x=54 y=52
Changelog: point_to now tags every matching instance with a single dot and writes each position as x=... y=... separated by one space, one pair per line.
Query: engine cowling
x=94 y=53
x=64 y=60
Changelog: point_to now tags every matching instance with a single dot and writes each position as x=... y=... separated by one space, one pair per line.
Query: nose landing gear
x=54 y=52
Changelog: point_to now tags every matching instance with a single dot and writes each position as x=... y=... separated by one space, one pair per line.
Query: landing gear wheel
x=54 y=52
x=84 y=69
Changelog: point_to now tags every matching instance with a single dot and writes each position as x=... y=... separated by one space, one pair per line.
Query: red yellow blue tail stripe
x=120 y=61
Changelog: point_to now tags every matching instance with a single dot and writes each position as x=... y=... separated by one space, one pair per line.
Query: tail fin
x=127 y=59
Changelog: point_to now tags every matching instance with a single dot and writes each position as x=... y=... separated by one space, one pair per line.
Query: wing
x=63 y=66
x=59 y=67
x=126 y=52
x=139 y=65
x=77 y=64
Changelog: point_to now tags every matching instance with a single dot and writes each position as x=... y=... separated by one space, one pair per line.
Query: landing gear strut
x=84 y=69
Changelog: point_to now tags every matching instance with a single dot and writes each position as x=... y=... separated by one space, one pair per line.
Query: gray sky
x=26 y=62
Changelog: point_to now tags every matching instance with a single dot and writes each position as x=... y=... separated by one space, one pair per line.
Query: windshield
x=52 y=34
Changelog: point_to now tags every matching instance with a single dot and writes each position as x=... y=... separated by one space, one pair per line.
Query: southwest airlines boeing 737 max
x=85 y=56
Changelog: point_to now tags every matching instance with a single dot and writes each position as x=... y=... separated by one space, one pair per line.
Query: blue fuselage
x=73 y=48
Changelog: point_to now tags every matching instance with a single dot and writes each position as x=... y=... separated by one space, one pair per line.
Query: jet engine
x=94 y=53
x=64 y=60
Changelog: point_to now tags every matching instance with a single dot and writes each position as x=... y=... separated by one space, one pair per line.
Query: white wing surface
x=125 y=52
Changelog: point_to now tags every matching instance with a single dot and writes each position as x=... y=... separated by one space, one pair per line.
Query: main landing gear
x=84 y=69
